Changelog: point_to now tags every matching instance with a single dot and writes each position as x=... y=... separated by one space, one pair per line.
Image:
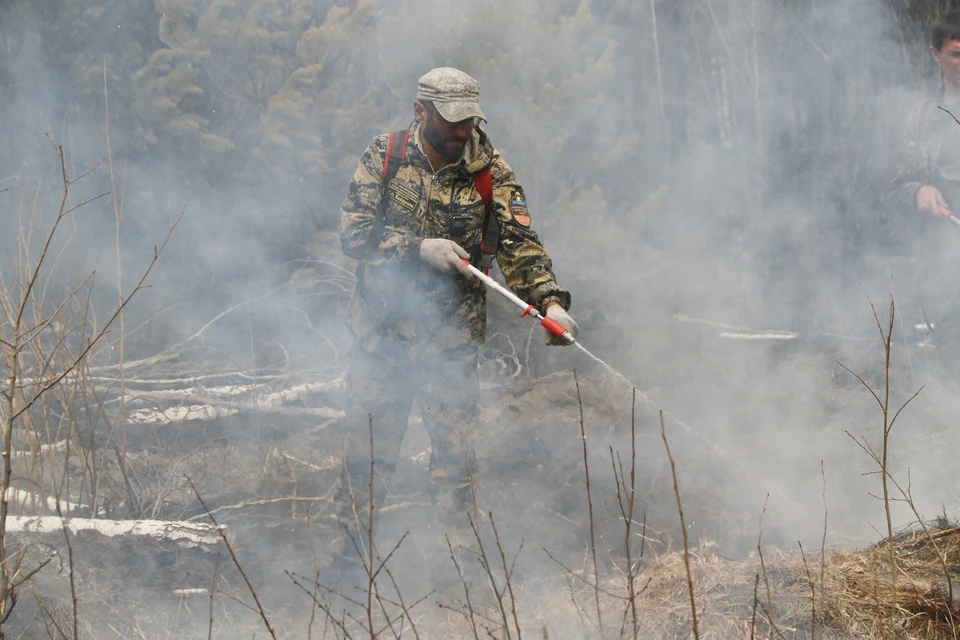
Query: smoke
x=693 y=168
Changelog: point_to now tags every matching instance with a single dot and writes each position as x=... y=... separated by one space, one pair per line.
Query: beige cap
x=455 y=94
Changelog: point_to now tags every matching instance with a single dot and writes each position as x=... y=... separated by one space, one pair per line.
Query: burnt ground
x=748 y=426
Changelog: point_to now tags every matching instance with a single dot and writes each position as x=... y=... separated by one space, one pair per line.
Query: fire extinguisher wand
x=949 y=214
x=549 y=324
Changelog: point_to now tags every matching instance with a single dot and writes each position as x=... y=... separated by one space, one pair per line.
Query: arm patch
x=518 y=208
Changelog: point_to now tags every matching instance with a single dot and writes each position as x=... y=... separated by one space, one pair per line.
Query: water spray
x=549 y=324
x=559 y=330
x=552 y=326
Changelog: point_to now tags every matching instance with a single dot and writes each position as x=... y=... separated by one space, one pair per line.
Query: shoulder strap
x=484 y=183
x=396 y=153
x=490 y=240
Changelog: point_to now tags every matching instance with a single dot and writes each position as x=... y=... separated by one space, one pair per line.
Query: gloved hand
x=445 y=255
x=930 y=200
x=556 y=312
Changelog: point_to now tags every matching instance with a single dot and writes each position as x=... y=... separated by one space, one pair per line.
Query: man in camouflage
x=928 y=183
x=418 y=314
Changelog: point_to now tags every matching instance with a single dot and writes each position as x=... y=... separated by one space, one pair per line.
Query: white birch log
x=187 y=534
x=43 y=448
x=136 y=364
x=31 y=500
x=760 y=335
x=210 y=409
x=299 y=392
x=205 y=412
x=228 y=392
x=192 y=393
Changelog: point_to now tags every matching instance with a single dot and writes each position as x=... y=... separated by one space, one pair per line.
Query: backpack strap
x=490 y=240
x=396 y=153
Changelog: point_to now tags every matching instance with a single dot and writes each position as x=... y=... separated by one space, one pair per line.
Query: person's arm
x=911 y=190
x=525 y=264
x=360 y=212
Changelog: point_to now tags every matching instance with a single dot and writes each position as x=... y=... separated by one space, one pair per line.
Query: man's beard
x=442 y=144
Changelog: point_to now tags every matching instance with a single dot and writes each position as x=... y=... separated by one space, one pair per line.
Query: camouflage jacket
x=400 y=301
x=930 y=156
x=925 y=130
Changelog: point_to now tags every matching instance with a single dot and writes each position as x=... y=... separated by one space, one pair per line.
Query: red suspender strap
x=484 y=184
x=396 y=152
x=386 y=158
x=393 y=154
x=406 y=138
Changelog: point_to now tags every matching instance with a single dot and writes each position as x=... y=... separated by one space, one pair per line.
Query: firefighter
x=422 y=201
x=927 y=185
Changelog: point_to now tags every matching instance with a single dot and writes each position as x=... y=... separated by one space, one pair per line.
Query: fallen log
x=186 y=380
x=759 y=335
x=742 y=332
x=136 y=364
x=80 y=371
x=185 y=534
x=202 y=407
x=205 y=412
x=28 y=500
x=193 y=394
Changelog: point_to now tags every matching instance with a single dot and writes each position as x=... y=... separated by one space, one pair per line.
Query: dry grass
x=857 y=601
x=860 y=592
x=723 y=590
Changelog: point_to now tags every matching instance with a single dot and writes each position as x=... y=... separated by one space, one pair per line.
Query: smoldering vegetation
x=711 y=179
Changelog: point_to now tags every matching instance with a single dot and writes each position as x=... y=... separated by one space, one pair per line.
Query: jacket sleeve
x=911 y=165
x=361 y=208
x=525 y=264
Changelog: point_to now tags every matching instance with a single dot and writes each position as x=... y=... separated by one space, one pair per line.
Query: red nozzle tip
x=553 y=327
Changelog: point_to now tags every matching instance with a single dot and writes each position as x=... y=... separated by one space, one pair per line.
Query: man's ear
x=935 y=53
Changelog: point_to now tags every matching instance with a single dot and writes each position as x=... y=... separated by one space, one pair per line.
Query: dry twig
x=683 y=527
x=586 y=473
x=236 y=561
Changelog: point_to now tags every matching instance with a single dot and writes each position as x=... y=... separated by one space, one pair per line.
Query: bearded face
x=446 y=138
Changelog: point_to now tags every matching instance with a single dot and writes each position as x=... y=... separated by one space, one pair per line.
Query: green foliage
x=283 y=96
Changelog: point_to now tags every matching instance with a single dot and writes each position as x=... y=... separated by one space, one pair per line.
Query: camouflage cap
x=455 y=94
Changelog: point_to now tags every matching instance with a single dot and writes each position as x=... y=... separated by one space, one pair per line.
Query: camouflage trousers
x=380 y=394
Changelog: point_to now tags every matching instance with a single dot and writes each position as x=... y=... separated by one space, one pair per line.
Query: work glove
x=556 y=312
x=445 y=255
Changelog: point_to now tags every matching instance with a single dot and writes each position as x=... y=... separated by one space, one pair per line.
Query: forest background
x=724 y=160
x=753 y=134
